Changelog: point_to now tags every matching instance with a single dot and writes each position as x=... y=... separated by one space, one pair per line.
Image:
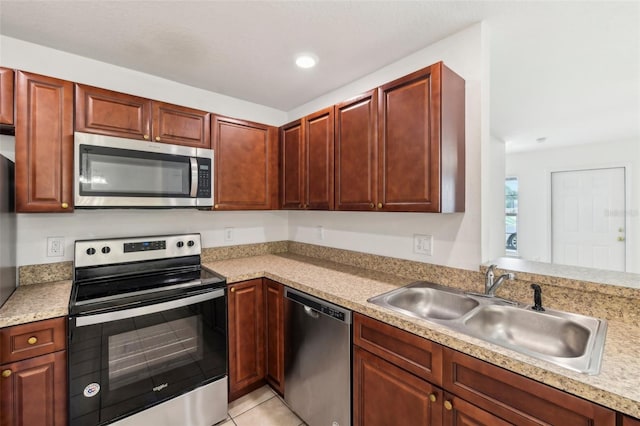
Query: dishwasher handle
x=315 y=307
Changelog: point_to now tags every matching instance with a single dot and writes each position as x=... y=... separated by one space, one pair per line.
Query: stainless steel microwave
x=118 y=172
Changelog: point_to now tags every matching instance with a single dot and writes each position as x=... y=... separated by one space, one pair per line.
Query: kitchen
x=458 y=239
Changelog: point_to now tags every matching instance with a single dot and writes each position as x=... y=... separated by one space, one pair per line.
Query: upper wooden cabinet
x=401 y=147
x=44 y=144
x=307 y=162
x=6 y=96
x=246 y=165
x=356 y=153
x=421 y=142
x=117 y=114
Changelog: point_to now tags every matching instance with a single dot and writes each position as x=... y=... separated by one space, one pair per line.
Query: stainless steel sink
x=428 y=301
x=570 y=340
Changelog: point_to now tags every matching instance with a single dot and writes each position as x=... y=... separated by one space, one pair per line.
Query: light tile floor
x=262 y=407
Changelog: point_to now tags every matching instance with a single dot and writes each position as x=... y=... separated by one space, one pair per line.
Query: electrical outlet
x=320 y=232
x=55 y=246
x=423 y=244
x=228 y=234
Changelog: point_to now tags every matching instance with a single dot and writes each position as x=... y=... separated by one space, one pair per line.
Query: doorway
x=588 y=218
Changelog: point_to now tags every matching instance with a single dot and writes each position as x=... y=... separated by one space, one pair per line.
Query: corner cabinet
x=112 y=113
x=6 y=96
x=401 y=378
x=44 y=144
x=246 y=165
x=402 y=147
x=307 y=170
x=33 y=380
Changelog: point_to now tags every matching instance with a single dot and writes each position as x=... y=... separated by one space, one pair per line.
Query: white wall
x=456 y=236
x=533 y=169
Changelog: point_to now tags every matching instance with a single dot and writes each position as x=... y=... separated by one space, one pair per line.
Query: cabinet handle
x=233 y=289
x=146 y=136
x=32 y=340
x=6 y=373
x=379 y=205
x=64 y=205
x=157 y=138
x=433 y=397
x=448 y=405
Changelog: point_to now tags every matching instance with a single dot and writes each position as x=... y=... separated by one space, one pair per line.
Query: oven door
x=125 y=361
x=118 y=172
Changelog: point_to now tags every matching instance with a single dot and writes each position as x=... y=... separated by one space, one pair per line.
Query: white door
x=588 y=218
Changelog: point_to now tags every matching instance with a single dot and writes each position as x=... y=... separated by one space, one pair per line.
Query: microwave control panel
x=204 y=178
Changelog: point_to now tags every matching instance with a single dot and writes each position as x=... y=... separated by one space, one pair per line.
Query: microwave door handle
x=194 y=177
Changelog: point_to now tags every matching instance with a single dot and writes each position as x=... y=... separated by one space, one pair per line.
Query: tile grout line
x=249 y=409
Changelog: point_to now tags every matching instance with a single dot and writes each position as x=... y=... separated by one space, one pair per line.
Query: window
x=511 y=216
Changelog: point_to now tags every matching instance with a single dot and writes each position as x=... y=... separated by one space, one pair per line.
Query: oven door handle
x=83 y=321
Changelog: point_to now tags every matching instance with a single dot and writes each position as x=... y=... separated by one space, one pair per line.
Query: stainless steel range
x=147 y=334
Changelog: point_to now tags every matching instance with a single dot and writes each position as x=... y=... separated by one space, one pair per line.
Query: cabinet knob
x=448 y=405
x=379 y=205
x=146 y=136
x=233 y=289
x=64 y=205
x=6 y=373
x=32 y=340
x=158 y=138
x=371 y=205
x=620 y=238
x=433 y=397
x=215 y=206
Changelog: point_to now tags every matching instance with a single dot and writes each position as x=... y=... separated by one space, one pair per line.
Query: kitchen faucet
x=490 y=286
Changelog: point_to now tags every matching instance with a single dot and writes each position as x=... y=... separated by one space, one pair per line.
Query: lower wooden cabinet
x=386 y=395
x=392 y=386
x=630 y=421
x=246 y=337
x=274 y=309
x=33 y=374
x=6 y=96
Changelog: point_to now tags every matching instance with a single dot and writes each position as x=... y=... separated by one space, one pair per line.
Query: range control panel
x=122 y=250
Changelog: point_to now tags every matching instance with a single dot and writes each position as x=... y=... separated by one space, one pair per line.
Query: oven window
x=141 y=354
x=112 y=172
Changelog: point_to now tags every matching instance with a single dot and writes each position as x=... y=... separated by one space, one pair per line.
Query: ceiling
x=567 y=71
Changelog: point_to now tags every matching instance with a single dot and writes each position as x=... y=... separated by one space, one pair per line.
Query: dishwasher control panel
x=333 y=313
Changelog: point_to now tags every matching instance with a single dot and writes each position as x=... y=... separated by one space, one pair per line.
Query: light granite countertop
x=617 y=386
x=36 y=302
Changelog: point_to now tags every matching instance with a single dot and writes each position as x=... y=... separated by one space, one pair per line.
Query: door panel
x=319 y=160
x=292 y=168
x=181 y=126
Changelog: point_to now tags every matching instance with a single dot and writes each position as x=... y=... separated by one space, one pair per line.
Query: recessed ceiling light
x=306 y=60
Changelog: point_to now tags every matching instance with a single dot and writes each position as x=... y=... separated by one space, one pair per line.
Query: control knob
x=106 y=250
x=180 y=244
x=91 y=251
x=190 y=243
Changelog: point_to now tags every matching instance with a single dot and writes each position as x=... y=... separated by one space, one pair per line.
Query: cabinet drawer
x=413 y=353
x=515 y=398
x=33 y=339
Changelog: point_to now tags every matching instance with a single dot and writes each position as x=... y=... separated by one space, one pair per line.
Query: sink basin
x=546 y=333
x=428 y=301
x=569 y=340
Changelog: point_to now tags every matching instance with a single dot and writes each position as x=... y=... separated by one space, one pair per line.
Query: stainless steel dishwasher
x=318 y=360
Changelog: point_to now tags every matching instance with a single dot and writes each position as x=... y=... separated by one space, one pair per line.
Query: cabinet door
x=34 y=391
x=421 y=142
x=246 y=337
x=111 y=113
x=246 y=161
x=181 y=126
x=458 y=412
x=630 y=421
x=515 y=398
x=6 y=96
x=44 y=144
x=292 y=166
x=274 y=305
x=356 y=153
x=384 y=394
x=318 y=133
